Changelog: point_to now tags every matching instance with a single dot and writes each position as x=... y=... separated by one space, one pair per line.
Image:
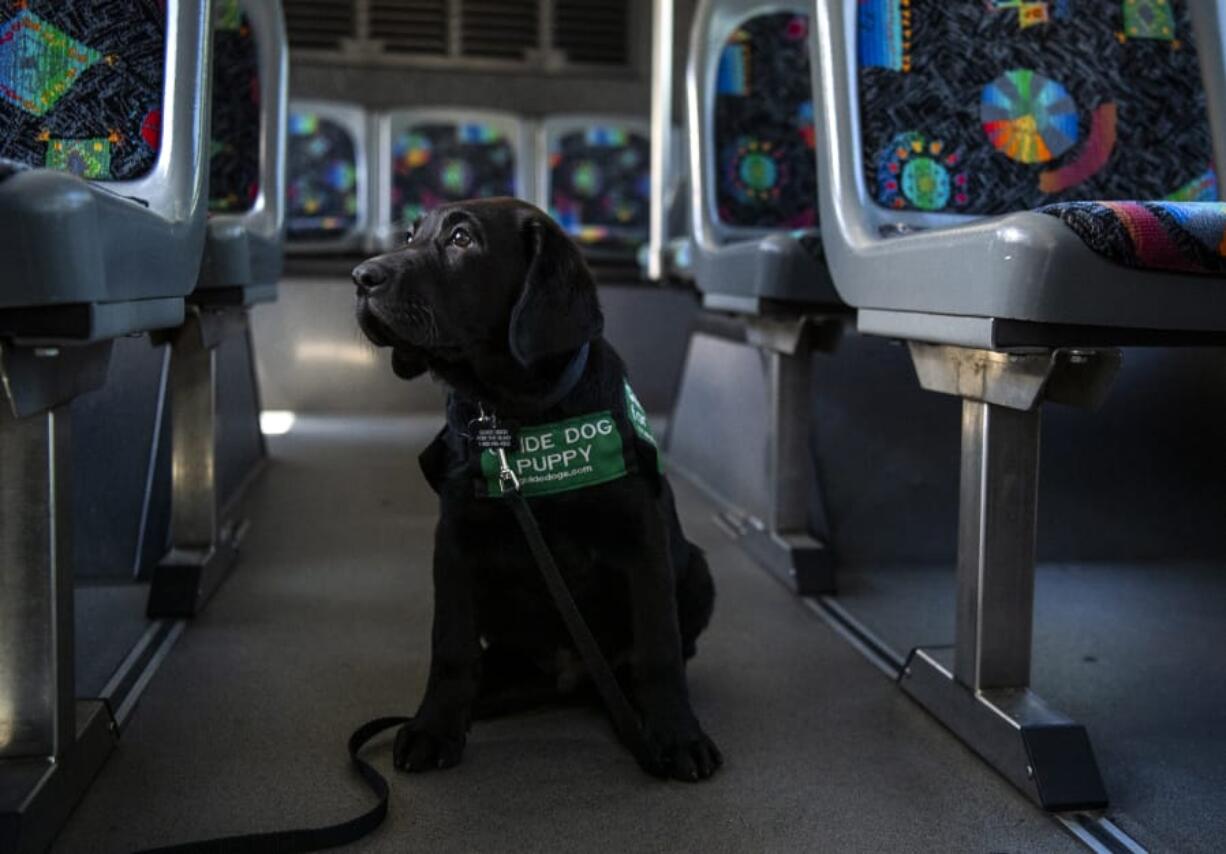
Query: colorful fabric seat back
x=599 y=183
x=994 y=106
x=765 y=167
x=81 y=85
x=234 y=164
x=438 y=161
x=323 y=200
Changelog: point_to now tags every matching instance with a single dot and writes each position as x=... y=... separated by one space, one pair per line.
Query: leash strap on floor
x=313 y=838
x=625 y=720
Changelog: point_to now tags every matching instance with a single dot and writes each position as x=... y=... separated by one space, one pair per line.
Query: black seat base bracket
x=1040 y=751
x=186 y=579
x=37 y=794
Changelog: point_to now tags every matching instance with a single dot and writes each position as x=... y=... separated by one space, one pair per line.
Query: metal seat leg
x=51 y=745
x=203 y=543
x=980 y=688
x=784 y=544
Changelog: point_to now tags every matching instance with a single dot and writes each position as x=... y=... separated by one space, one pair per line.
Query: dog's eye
x=460 y=237
x=408 y=236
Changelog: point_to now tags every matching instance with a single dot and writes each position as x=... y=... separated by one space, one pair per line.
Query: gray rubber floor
x=110 y=619
x=1133 y=651
x=325 y=624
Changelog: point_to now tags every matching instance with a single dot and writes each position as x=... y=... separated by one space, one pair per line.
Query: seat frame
x=760 y=258
x=55 y=347
x=784 y=327
x=163 y=211
x=995 y=310
x=244 y=250
x=242 y=265
x=961 y=271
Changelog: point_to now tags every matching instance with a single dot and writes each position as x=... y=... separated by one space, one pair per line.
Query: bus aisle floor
x=325 y=624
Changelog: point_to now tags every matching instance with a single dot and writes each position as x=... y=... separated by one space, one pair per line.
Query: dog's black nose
x=368 y=276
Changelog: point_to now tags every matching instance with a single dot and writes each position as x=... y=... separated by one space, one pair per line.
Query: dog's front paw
x=683 y=752
x=422 y=748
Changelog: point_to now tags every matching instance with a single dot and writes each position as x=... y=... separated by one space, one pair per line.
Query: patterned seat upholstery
x=435 y=162
x=322 y=192
x=599 y=184
x=234 y=165
x=753 y=158
x=1180 y=236
x=81 y=85
x=766 y=168
x=1008 y=105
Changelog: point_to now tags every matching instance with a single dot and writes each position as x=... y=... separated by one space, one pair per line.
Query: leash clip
x=505 y=475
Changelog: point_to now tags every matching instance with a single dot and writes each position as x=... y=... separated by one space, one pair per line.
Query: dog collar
x=569 y=378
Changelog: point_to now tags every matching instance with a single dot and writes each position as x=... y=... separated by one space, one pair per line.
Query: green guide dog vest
x=579 y=452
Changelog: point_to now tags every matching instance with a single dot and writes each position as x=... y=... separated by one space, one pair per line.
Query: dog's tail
x=695 y=599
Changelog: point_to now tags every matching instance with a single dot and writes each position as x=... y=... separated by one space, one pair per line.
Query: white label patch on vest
x=561 y=456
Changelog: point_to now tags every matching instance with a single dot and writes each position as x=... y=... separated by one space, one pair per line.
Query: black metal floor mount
x=1046 y=755
x=37 y=795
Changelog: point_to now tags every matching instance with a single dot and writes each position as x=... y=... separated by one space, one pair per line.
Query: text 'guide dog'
x=495 y=301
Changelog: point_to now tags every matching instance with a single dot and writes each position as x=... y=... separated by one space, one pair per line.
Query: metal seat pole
x=37 y=697
x=202 y=548
x=980 y=687
x=661 y=132
x=193 y=395
x=51 y=744
x=784 y=542
x=996 y=545
x=789 y=376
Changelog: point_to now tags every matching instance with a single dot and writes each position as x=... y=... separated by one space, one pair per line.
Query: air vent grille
x=411 y=26
x=592 y=32
x=548 y=35
x=499 y=29
x=319 y=24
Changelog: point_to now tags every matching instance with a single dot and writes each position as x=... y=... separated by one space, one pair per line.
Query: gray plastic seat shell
x=264 y=223
x=69 y=240
x=1024 y=266
x=744 y=264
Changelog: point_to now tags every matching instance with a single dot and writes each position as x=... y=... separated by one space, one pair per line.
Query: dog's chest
x=485 y=536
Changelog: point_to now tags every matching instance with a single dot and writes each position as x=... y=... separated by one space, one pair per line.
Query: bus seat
x=242 y=266
x=594 y=177
x=243 y=252
x=1015 y=218
x=92 y=103
x=327 y=195
x=983 y=218
x=102 y=228
x=753 y=167
x=428 y=157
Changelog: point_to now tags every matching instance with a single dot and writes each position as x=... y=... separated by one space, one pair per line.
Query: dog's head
x=476 y=281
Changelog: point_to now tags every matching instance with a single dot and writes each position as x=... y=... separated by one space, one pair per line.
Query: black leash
x=312 y=838
x=626 y=721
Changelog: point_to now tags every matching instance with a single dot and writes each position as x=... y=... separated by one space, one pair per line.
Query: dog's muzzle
x=388 y=318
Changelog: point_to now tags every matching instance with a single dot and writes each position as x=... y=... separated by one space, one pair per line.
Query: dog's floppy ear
x=558 y=311
x=407 y=364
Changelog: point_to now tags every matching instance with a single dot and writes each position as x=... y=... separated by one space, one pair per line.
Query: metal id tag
x=490 y=437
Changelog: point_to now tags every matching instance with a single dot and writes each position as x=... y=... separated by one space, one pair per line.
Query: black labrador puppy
x=496 y=302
